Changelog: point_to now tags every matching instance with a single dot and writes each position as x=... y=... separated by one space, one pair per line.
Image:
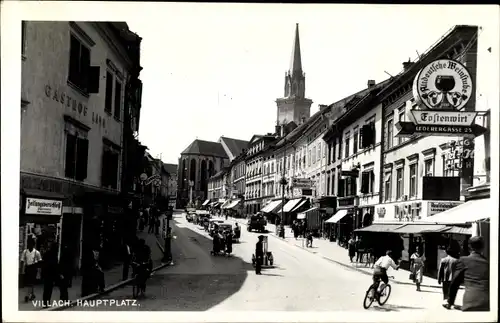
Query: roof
x=296 y=61
x=205 y=148
x=235 y=146
x=170 y=168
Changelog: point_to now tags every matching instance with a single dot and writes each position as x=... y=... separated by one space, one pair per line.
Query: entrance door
x=70 y=240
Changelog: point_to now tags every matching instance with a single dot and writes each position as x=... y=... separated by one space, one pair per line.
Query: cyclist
x=143 y=264
x=380 y=272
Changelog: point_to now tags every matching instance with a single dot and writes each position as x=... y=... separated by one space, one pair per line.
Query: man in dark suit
x=446 y=271
x=259 y=255
x=474 y=272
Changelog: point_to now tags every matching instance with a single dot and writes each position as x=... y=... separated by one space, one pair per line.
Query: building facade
x=170 y=185
x=72 y=133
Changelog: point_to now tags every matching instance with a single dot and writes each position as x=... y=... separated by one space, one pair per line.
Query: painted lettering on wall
x=72 y=103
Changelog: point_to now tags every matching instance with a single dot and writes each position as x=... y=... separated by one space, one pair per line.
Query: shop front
x=40 y=219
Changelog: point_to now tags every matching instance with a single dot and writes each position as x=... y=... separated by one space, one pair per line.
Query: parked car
x=212 y=224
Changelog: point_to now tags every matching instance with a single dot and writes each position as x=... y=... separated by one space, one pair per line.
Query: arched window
x=184 y=174
x=192 y=171
x=203 y=179
x=210 y=168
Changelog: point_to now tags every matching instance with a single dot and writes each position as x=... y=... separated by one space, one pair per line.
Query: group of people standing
x=223 y=241
x=299 y=228
x=149 y=217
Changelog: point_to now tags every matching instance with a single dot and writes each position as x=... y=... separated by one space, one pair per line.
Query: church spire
x=296 y=61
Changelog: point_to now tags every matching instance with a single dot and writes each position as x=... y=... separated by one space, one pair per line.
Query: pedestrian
x=50 y=272
x=446 y=271
x=360 y=251
x=98 y=273
x=417 y=265
x=216 y=244
x=351 y=247
x=30 y=259
x=127 y=257
x=229 y=243
x=259 y=255
x=474 y=272
x=66 y=274
x=157 y=226
x=309 y=243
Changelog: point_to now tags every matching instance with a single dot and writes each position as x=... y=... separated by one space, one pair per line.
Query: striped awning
x=469 y=212
x=459 y=230
x=232 y=204
x=206 y=202
x=298 y=206
x=225 y=204
x=337 y=216
x=290 y=205
x=271 y=206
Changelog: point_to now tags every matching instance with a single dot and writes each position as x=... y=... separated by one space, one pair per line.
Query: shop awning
x=205 y=203
x=296 y=208
x=214 y=204
x=271 y=206
x=304 y=214
x=458 y=230
x=379 y=227
x=290 y=205
x=232 y=204
x=469 y=212
x=337 y=216
x=419 y=228
x=225 y=204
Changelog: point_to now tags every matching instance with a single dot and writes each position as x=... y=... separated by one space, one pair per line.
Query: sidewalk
x=112 y=276
x=331 y=251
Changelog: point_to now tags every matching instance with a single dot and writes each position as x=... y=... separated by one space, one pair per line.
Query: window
x=319 y=152
x=390 y=134
x=109 y=169
x=413 y=180
x=333 y=185
x=388 y=186
x=341 y=187
x=402 y=113
x=328 y=179
x=79 y=64
x=109 y=93
x=429 y=167
x=367 y=181
x=346 y=154
x=76 y=157
x=309 y=157
x=399 y=183
x=339 y=155
x=23 y=38
x=367 y=134
x=355 y=140
x=314 y=155
x=118 y=99
x=334 y=151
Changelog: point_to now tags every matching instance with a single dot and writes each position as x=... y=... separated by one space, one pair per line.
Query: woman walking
x=417 y=264
x=351 y=247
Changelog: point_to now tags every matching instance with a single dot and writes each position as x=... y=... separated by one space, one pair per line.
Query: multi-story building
x=170 y=186
x=254 y=161
x=76 y=79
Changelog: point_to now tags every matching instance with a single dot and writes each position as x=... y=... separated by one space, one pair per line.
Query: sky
x=213 y=70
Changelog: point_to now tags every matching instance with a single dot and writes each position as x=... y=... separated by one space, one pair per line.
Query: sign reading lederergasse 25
x=441 y=90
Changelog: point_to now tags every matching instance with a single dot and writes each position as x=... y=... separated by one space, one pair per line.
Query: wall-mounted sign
x=410 y=128
x=349 y=173
x=443 y=84
x=438 y=207
x=302 y=183
x=381 y=212
x=72 y=103
x=43 y=207
x=443 y=118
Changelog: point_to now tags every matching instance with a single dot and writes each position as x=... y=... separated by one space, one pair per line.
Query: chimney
x=322 y=107
x=407 y=65
x=371 y=83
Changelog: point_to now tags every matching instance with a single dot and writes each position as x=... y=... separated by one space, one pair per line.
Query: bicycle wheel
x=369 y=297
x=384 y=294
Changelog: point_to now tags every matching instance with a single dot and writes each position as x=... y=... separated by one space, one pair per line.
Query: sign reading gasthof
x=41 y=206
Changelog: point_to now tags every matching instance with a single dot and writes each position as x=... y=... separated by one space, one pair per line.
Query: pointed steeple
x=296 y=61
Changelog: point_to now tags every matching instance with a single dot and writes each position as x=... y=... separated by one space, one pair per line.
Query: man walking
x=446 y=271
x=30 y=259
x=474 y=272
x=126 y=260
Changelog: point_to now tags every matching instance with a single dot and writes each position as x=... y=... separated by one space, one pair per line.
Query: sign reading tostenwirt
x=45 y=207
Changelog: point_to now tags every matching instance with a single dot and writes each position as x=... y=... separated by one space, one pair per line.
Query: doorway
x=70 y=240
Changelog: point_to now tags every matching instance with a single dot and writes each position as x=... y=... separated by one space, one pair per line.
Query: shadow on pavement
x=394 y=308
x=198 y=281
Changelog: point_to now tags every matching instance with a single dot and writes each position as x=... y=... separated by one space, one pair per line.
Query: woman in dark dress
x=229 y=243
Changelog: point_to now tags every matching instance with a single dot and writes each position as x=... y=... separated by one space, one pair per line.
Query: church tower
x=294 y=106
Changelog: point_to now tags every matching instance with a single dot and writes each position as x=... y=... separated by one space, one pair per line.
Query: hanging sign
x=444 y=84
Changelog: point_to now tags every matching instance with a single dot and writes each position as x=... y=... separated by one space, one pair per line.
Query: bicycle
x=140 y=276
x=372 y=294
